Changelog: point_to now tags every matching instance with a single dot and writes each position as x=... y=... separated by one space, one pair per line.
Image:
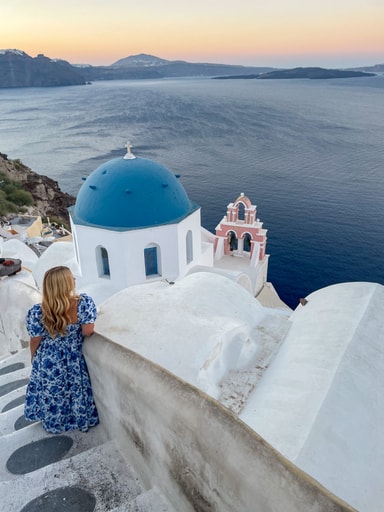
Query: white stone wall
x=186 y=444
x=126 y=251
x=16 y=297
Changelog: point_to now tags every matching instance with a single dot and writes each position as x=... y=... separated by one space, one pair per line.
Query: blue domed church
x=133 y=223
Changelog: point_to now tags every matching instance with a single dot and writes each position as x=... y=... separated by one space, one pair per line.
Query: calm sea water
x=309 y=154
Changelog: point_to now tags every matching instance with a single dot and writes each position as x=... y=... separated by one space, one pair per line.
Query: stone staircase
x=70 y=472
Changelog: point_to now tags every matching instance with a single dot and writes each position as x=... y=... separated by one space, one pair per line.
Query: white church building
x=133 y=223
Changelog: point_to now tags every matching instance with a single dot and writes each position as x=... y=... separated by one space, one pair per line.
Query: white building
x=133 y=223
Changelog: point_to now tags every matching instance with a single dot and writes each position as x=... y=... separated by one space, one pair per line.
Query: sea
x=308 y=153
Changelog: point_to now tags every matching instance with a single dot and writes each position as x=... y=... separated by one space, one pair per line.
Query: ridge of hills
x=18 y=69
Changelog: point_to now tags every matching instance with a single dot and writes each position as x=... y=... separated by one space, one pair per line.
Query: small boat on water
x=9 y=266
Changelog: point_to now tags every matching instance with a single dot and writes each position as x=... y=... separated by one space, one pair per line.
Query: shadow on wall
x=174 y=436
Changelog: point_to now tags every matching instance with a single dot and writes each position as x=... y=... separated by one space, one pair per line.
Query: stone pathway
x=71 y=472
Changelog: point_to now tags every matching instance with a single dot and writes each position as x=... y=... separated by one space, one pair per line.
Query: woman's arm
x=34 y=343
x=87 y=329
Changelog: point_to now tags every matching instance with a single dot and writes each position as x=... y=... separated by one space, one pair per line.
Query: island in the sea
x=312 y=73
x=18 y=69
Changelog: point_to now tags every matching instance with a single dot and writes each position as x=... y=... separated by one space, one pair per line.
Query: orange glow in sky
x=275 y=33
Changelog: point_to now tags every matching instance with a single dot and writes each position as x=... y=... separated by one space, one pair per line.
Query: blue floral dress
x=59 y=392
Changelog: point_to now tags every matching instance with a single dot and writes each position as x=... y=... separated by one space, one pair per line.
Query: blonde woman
x=59 y=392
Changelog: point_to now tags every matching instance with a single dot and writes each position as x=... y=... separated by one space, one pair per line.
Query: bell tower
x=240 y=233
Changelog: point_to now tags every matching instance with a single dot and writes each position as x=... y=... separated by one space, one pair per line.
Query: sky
x=277 y=33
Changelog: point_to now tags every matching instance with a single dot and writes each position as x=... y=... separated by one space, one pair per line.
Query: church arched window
x=102 y=262
x=247 y=242
x=240 y=212
x=189 y=246
x=151 y=260
x=232 y=241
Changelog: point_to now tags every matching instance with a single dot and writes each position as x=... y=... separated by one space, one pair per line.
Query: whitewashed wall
x=126 y=250
x=180 y=440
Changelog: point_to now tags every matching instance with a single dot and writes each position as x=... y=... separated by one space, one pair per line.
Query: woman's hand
x=34 y=343
x=88 y=329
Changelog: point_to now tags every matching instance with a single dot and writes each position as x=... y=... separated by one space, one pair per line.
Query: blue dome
x=131 y=193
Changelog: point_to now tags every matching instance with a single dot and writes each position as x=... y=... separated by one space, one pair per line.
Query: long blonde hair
x=58 y=294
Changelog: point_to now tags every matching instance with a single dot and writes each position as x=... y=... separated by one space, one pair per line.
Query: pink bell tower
x=240 y=233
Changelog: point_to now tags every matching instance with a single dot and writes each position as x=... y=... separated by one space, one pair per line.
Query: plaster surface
x=310 y=381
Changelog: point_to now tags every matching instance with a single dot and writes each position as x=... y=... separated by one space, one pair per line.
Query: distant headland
x=18 y=69
x=310 y=72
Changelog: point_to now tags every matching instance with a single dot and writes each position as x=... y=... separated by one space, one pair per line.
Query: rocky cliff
x=17 y=69
x=49 y=199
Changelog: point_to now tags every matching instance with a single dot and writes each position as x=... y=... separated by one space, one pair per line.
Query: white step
x=100 y=470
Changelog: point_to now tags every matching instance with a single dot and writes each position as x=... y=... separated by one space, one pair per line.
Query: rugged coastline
x=49 y=199
x=18 y=69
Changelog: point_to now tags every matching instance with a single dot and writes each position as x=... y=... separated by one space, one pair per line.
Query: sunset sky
x=278 y=33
